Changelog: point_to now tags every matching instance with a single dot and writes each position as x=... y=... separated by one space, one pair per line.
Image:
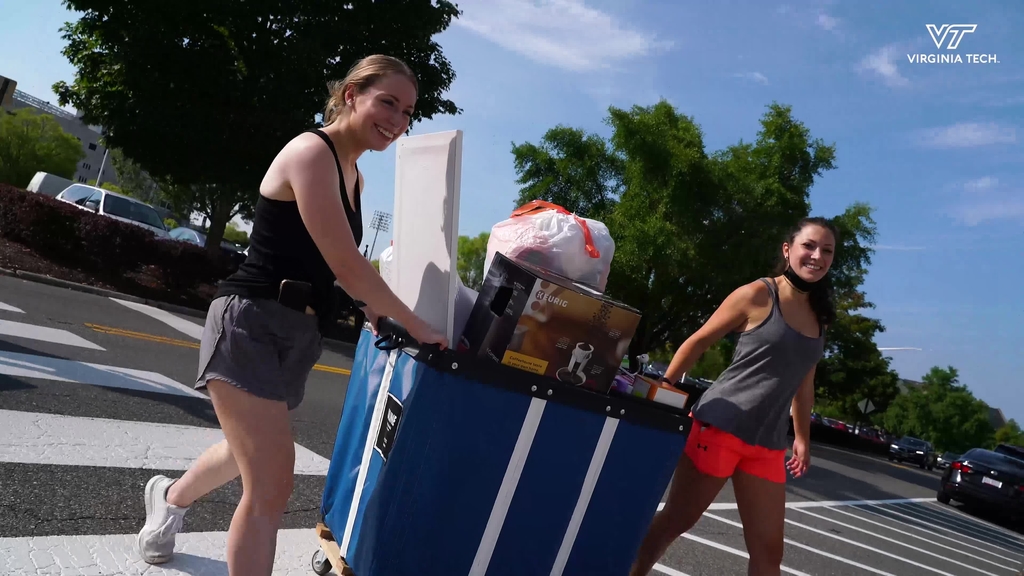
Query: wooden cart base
x=331 y=550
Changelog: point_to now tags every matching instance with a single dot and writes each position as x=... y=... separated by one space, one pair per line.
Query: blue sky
x=936 y=149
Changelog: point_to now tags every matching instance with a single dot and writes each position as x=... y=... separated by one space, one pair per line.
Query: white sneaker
x=155 y=542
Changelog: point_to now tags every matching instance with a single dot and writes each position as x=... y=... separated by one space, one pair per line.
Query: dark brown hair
x=821 y=295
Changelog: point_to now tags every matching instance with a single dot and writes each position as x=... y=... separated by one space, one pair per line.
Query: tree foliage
x=570 y=168
x=942 y=411
x=1010 y=433
x=31 y=142
x=472 y=254
x=204 y=94
x=689 y=226
x=853 y=368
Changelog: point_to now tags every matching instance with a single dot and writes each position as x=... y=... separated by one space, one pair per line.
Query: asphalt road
x=85 y=380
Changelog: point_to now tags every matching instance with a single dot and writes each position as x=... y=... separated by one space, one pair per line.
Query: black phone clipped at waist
x=295 y=294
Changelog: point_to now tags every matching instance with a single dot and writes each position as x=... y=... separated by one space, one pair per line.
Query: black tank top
x=280 y=248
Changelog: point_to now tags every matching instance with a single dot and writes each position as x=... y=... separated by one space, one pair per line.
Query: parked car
x=1010 y=450
x=186 y=234
x=987 y=479
x=48 y=184
x=914 y=450
x=945 y=459
x=113 y=205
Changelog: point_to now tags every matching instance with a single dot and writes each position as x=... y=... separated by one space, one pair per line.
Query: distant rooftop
x=42 y=105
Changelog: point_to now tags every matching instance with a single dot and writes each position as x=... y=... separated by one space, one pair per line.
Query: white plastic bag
x=548 y=236
x=385 y=259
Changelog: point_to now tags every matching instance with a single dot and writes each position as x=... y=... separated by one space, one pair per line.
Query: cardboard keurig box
x=534 y=320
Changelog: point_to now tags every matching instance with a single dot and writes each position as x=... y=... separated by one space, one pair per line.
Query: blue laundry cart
x=446 y=464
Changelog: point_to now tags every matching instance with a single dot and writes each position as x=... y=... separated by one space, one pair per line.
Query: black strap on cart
x=627 y=408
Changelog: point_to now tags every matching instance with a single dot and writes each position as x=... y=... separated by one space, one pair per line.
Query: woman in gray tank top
x=740 y=424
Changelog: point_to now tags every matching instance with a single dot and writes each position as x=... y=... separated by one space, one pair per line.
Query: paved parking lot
x=897 y=538
x=95 y=398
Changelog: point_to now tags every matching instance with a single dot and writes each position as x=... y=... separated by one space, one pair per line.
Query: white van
x=48 y=184
x=115 y=206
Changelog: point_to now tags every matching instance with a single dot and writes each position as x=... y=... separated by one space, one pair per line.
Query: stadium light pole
x=381 y=222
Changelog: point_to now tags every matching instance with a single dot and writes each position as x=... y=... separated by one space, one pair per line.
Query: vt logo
x=954 y=32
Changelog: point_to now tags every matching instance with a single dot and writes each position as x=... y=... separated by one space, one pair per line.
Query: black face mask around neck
x=798 y=282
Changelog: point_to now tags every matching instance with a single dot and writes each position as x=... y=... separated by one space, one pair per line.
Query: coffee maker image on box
x=573 y=373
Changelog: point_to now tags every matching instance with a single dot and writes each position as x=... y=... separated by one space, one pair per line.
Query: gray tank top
x=752 y=397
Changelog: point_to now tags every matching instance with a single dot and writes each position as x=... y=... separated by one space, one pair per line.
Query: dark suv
x=1011 y=451
x=914 y=450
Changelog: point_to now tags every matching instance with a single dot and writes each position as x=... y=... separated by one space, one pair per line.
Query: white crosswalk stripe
x=92 y=450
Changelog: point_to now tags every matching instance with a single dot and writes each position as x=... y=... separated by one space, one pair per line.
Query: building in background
x=89 y=167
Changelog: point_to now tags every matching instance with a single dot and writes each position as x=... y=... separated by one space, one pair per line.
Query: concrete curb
x=51 y=281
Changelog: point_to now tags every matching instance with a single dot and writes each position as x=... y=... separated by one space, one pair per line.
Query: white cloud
x=753 y=76
x=827 y=22
x=983 y=183
x=991 y=209
x=883 y=63
x=967 y=135
x=985 y=199
x=896 y=247
x=563 y=33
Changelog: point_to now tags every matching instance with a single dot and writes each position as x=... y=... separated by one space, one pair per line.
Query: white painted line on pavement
x=32 y=438
x=892 y=541
x=180 y=324
x=46 y=368
x=743 y=554
x=927 y=528
x=805 y=547
x=45 y=334
x=976 y=525
x=815 y=503
x=954 y=532
x=195 y=553
x=9 y=308
x=994 y=538
x=916 y=537
x=670 y=571
x=989 y=525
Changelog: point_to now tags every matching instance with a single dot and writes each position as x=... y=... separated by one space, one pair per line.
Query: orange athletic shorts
x=717 y=453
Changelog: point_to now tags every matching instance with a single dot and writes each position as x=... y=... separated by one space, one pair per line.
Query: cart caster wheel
x=321 y=565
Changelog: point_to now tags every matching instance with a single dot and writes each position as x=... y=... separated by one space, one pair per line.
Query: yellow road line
x=332 y=369
x=143 y=336
x=187 y=344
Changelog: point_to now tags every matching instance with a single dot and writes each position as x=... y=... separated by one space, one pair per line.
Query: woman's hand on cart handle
x=425 y=334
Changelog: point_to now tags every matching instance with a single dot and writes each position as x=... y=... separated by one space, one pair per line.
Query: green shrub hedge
x=90 y=242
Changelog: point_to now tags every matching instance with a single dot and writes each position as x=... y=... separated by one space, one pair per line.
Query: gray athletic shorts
x=260 y=346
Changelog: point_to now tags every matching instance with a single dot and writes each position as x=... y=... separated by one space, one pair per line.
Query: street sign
x=866 y=406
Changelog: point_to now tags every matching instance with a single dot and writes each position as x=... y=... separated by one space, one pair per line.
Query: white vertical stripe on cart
x=604 y=441
x=508 y=487
x=371 y=436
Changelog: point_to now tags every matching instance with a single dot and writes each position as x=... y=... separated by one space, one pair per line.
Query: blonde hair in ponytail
x=363 y=74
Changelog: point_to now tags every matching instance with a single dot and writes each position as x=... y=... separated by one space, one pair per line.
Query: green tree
x=472 y=254
x=570 y=168
x=204 y=95
x=942 y=411
x=853 y=368
x=133 y=179
x=1010 y=433
x=689 y=226
x=236 y=236
x=31 y=142
x=112 y=187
